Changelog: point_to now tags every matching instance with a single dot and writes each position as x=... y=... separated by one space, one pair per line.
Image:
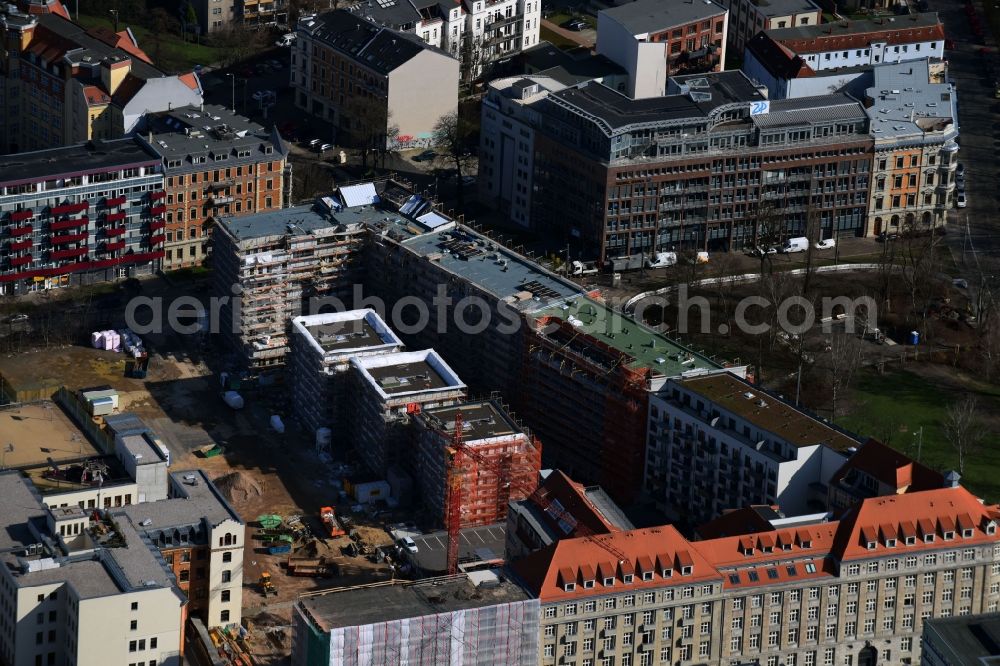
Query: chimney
x=951 y=479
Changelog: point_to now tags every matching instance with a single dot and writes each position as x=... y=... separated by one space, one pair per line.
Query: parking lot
x=483 y=544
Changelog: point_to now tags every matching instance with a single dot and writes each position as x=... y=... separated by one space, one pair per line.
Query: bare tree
x=845 y=359
x=813 y=231
x=366 y=120
x=963 y=428
x=452 y=134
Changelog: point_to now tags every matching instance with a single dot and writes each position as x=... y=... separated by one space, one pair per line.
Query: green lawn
x=176 y=55
x=556 y=39
x=896 y=405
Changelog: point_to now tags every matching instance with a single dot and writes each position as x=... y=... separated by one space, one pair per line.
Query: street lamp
x=113 y=12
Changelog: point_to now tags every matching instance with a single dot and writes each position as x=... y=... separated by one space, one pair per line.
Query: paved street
x=979 y=124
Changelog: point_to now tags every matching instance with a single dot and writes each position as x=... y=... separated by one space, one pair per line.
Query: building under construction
x=501 y=461
x=388 y=389
x=474 y=619
x=321 y=350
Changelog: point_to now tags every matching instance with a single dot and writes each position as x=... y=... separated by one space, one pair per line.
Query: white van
x=285 y=40
x=799 y=244
x=662 y=260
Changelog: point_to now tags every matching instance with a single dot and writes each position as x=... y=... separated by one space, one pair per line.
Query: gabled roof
x=848 y=35
x=889 y=467
x=123 y=40
x=779 y=60
x=569 y=508
x=589 y=560
x=935 y=513
x=747 y=520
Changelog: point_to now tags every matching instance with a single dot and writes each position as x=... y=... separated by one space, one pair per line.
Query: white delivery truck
x=799 y=244
x=583 y=268
x=662 y=260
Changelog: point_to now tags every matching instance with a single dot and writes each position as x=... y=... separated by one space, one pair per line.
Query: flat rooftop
x=904 y=104
x=775 y=416
x=338 y=333
x=41 y=432
x=21 y=504
x=645 y=16
x=85 y=158
x=192 y=131
x=193 y=499
x=826 y=36
x=297 y=220
x=78 y=475
x=89 y=577
x=494 y=269
x=645 y=347
x=480 y=420
x=613 y=111
x=785 y=7
x=404 y=373
x=370 y=604
x=142 y=449
x=968 y=640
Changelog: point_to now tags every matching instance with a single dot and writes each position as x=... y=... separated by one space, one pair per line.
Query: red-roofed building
x=876 y=470
x=559 y=509
x=823 y=593
x=815 y=59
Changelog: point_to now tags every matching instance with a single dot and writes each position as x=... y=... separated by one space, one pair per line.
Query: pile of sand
x=238 y=487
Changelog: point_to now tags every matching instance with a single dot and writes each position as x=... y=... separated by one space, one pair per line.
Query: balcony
x=68 y=238
x=20 y=261
x=115 y=217
x=69 y=209
x=157 y=239
x=20 y=231
x=116 y=201
x=114 y=231
x=69 y=224
x=157 y=195
x=112 y=247
x=20 y=245
x=220 y=200
x=21 y=215
x=157 y=211
x=157 y=224
x=67 y=254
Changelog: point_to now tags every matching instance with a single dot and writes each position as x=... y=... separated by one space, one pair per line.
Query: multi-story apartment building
x=507 y=137
x=377 y=86
x=63 y=84
x=500 y=463
x=915 y=127
x=80 y=214
x=655 y=40
x=477 y=32
x=854 y=591
x=200 y=538
x=575 y=370
x=693 y=169
x=718 y=442
x=968 y=640
x=389 y=388
x=215 y=163
x=748 y=17
x=816 y=59
x=321 y=350
x=475 y=618
x=560 y=508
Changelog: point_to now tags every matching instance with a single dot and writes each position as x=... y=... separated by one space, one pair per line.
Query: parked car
x=19 y=317
x=408 y=544
x=576 y=25
x=325 y=147
x=285 y=40
x=425 y=156
x=825 y=244
x=468 y=181
x=961 y=283
x=960 y=170
x=960 y=181
x=961 y=200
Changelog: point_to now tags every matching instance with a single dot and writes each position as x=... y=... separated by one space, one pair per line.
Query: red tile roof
x=95 y=96
x=120 y=40
x=783 y=555
x=777 y=59
x=936 y=512
x=541 y=571
x=748 y=520
x=190 y=80
x=576 y=510
x=837 y=37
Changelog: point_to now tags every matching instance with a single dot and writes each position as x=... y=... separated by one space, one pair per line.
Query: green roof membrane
x=646 y=347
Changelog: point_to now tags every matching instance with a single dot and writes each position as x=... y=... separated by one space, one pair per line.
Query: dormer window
x=871 y=545
x=588 y=584
x=608 y=582
x=268 y=150
x=910 y=540
x=890 y=543
x=949 y=535
x=569 y=587
x=967 y=533
x=627 y=578
x=767 y=549
x=647 y=575
x=667 y=573
x=747 y=550
x=786 y=546
x=991 y=528
x=686 y=571
x=928 y=538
